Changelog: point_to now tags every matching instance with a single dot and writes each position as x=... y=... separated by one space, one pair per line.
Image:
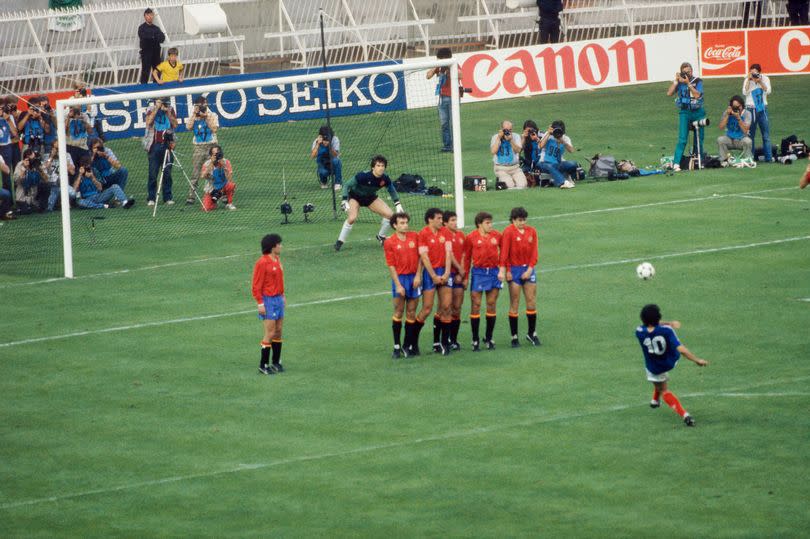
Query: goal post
x=263 y=147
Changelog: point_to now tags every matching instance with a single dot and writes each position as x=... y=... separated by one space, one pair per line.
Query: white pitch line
x=178 y=321
x=751 y=395
x=537 y=218
x=361 y=296
x=772 y=198
x=360 y=450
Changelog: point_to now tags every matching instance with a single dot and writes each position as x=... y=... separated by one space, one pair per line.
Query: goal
x=267 y=131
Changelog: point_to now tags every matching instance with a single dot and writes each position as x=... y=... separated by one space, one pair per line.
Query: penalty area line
x=531 y=422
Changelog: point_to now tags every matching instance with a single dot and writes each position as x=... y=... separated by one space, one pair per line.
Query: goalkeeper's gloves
x=344 y=205
x=398 y=207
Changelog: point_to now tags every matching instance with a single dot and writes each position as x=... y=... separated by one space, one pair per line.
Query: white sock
x=344 y=232
x=385 y=227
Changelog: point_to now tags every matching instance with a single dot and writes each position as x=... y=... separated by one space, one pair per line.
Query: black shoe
x=437 y=348
x=490 y=345
x=475 y=346
x=515 y=342
x=446 y=150
x=265 y=369
x=380 y=239
x=278 y=367
x=338 y=245
x=445 y=350
x=415 y=351
x=455 y=347
x=397 y=353
x=655 y=404
x=689 y=421
x=129 y=203
x=533 y=339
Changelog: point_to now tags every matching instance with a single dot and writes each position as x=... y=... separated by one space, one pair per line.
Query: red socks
x=673 y=402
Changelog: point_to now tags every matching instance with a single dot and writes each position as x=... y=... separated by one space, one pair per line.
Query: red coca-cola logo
x=723 y=52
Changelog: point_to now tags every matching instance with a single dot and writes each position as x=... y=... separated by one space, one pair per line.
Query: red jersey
x=436 y=244
x=482 y=251
x=456 y=239
x=402 y=254
x=268 y=278
x=519 y=248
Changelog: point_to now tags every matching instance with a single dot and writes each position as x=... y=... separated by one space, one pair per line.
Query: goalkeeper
x=362 y=191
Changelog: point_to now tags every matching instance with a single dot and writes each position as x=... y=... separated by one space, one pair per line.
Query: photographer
x=52 y=169
x=31 y=183
x=531 y=147
x=756 y=88
x=159 y=142
x=49 y=118
x=107 y=168
x=736 y=120
x=218 y=174
x=8 y=131
x=90 y=189
x=80 y=90
x=444 y=93
x=33 y=127
x=689 y=101
x=505 y=147
x=78 y=129
x=6 y=212
x=554 y=144
x=326 y=152
x=203 y=123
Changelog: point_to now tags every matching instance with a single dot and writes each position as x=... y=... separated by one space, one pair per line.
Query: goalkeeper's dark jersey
x=366 y=184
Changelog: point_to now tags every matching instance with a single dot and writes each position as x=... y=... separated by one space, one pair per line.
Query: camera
x=216 y=194
x=309 y=207
x=326 y=139
x=736 y=109
x=755 y=75
x=506 y=132
x=286 y=208
x=532 y=132
x=82 y=92
x=462 y=90
x=202 y=110
x=703 y=122
x=218 y=155
x=557 y=132
x=684 y=75
x=101 y=149
x=8 y=108
x=35 y=162
x=168 y=136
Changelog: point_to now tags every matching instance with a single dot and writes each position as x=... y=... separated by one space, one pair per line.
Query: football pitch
x=130 y=404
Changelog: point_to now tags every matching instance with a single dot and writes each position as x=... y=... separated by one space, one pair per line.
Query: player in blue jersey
x=662 y=350
x=689 y=101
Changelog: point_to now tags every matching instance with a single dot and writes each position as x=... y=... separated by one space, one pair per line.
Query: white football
x=645 y=271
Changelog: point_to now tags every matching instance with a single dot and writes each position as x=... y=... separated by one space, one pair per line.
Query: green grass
x=161 y=428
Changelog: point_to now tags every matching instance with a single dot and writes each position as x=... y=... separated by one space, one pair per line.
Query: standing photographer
x=31 y=183
x=554 y=144
x=159 y=142
x=505 y=147
x=444 y=93
x=756 y=88
x=8 y=131
x=203 y=123
x=218 y=174
x=689 y=101
x=736 y=120
x=78 y=129
x=326 y=152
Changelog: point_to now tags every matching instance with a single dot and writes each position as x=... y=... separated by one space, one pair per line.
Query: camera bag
x=602 y=166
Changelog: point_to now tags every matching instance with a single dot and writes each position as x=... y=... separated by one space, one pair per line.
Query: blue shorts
x=406 y=280
x=427 y=282
x=484 y=279
x=273 y=308
x=517 y=271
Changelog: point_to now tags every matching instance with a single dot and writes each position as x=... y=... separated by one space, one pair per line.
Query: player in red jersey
x=437 y=279
x=482 y=258
x=405 y=266
x=268 y=291
x=456 y=238
x=518 y=259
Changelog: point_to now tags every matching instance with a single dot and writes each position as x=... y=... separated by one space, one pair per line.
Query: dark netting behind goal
x=267 y=134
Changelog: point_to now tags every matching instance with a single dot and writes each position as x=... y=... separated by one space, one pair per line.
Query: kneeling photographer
x=218 y=174
x=31 y=183
x=90 y=189
x=52 y=168
x=107 y=168
x=553 y=145
x=326 y=152
x=505 y=147
x=736 y=121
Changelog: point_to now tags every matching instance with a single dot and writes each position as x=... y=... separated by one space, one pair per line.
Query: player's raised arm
x=692 y=357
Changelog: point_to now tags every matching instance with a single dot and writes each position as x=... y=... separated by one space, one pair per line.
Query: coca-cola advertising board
x=780 y=51
x=564 y=67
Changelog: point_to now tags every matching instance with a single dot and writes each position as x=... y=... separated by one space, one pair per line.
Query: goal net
x=267 y=130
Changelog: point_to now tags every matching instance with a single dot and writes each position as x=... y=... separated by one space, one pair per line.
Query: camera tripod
x=170 y=160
